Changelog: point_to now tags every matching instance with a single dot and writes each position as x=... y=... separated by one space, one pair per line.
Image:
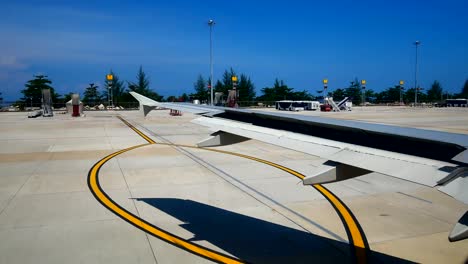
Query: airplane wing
x=351 y=149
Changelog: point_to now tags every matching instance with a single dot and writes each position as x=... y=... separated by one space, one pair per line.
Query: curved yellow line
x=111 y=205
x=357 y=237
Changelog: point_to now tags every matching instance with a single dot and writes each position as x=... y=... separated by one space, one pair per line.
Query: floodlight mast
x=416 y=88
x=211 y=24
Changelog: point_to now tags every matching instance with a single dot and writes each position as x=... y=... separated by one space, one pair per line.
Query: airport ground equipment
x=343 y=104
x=218 y=99
x=332 y=103
x=232 y=99
x=325 y=108
x=297 y=105
x=351 y=148
x=75 y=106
x=173 y=112
x=35 y=114
x=283 y=105
x=452 y=103
x=47 y=103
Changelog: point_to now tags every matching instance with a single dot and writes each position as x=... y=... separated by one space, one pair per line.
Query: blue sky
x=301 y=42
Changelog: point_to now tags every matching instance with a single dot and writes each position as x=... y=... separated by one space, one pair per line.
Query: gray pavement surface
x=236 y=206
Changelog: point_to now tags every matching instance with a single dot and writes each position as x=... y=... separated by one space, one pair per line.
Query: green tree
x=246 y=89
x=201 y=91
x=218 y=87
x=338 y=94
x=390 y=95
x=464 y=91
x=354 y=92
x=171 y=98
x=33 y=92
x=409 y=96
x=319 y=95
x=370 y=95
x=142 y=86
x=279 y=91
x=301 y=96
x=435 y=92
x=183 y=98
x=91 y=95
x=227 y=80
x=67 y=97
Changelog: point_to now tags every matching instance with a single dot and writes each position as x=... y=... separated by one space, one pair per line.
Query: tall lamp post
x=363 y=86
x=416 y=43
x=109 y=78
x=401 y=91
x=211 y=24
x=325 y=87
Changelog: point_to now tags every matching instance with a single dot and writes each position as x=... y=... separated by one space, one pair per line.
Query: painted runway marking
x=106 y=201
x=358 y=242
x=145 y=137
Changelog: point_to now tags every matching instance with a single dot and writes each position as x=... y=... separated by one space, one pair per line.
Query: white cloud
x=11 y=62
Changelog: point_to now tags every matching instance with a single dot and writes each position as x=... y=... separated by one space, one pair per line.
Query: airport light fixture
x=211 y=23
x=416 y=43
x=234 y=82
x=110 y=98
x=325 y=87
x=234 y=85
x=363 y=86
x=401 y=91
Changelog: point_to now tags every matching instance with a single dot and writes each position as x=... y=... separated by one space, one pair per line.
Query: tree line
x=281 y=91
x=393 y=94
x=32 y=93
x=244 y=86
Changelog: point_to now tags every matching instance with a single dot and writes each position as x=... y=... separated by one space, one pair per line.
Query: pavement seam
x=218 y=172
x=390 y=240
x=232 y=181
x=197 y=159
x=358 y=242
x=6 y=227
x=103 y=198
x=136 y=208
x=24 y=183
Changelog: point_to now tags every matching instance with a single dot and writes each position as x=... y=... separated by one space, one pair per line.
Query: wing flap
x=416 y=169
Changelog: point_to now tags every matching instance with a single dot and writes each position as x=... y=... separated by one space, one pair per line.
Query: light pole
x=110 y=78
x=325 y=87
x=363 y=86
x=416 y=43
x=211 y=24
x=401 y=91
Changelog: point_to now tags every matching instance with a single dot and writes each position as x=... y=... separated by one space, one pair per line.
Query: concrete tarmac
x=236 y=207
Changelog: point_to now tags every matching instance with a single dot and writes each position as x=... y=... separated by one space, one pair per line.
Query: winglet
x=146 y=104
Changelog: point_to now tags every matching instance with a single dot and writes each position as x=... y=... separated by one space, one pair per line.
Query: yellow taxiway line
x=354 y=231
